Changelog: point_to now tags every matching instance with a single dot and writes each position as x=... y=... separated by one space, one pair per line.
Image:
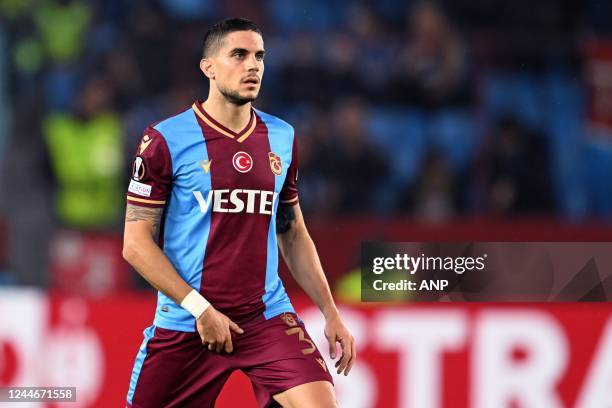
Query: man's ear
x=206 y=66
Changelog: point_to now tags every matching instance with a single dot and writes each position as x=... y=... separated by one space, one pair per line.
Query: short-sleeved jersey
x=220 y=191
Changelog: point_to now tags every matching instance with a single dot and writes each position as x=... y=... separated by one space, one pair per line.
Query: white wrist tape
x=195 y=303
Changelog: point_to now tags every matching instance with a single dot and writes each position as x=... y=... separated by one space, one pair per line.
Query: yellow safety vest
x=87 y=159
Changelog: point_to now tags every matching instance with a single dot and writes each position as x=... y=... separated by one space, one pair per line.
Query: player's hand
x=214 y=328
x=336 y=331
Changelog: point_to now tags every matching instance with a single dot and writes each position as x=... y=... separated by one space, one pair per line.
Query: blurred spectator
x=124 y=75
x=367 y=32
x=86 y=153
x=516 y=171
x=342 y=64
x=435 y=197
x=303 y=69
x=358 y=169
x=151 y=38
x=316 y=161
x=433 y=68
x=62 y=25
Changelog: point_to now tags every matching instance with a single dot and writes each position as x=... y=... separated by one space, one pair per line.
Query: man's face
x=238 y=65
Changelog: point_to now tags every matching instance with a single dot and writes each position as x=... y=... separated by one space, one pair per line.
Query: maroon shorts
x=174 y=369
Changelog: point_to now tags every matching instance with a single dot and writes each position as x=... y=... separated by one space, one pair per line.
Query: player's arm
x=300 y=254
x=142 y=252
x=147 y=194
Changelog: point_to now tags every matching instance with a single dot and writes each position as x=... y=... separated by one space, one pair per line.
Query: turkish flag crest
x=275 y=163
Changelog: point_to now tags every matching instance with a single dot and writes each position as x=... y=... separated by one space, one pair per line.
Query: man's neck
x=232 y=116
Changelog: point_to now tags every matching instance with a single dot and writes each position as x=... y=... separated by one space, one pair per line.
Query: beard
x=234 y=97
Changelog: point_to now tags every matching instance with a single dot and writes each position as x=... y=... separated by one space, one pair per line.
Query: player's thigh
x=279 y=355
x=167 y=360
x=318 y=394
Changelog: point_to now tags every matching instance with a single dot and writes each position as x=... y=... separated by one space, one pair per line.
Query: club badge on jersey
x=275 y=163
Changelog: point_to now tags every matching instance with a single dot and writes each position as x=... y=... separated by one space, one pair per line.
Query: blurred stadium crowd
x=402 y=108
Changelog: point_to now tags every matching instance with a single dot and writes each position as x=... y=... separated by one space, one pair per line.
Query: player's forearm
x=151 y=263
x=301 y=257
x=143 y=253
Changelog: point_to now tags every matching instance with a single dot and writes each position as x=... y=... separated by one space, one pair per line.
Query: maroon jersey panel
x=233 y=277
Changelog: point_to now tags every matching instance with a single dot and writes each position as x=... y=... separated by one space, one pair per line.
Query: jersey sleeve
x=289 y=192
x=151 y=174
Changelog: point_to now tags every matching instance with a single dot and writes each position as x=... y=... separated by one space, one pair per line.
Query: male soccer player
x=213 y=192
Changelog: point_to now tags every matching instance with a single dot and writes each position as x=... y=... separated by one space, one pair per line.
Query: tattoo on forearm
x=285 y=218
x=137 y=213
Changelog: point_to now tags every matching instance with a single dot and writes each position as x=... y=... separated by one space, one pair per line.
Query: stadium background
x=457 y=121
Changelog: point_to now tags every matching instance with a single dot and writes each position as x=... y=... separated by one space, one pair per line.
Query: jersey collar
x=211 y=122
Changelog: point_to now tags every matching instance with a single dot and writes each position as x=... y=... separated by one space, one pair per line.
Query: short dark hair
x=216 y=33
